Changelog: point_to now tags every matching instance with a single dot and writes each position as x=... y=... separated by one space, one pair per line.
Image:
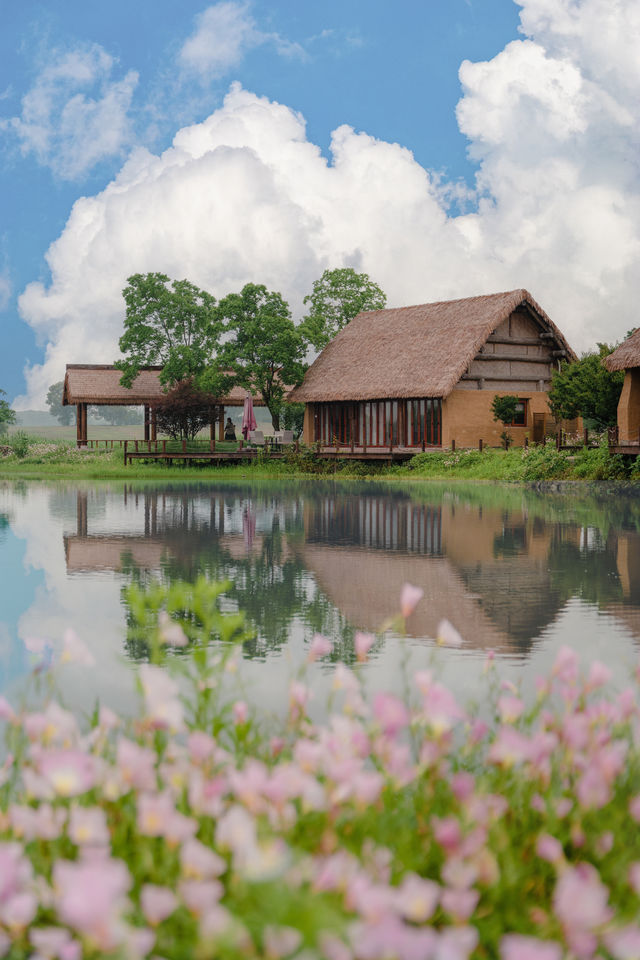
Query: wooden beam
x=514 y=377
x=515 y=341
x=511 y=356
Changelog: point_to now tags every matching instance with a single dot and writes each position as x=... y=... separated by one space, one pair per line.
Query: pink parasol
x=248 y=418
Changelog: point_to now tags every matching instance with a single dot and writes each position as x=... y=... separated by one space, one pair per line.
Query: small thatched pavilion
x=627 y=357
x=426 y=375
x=86 y=384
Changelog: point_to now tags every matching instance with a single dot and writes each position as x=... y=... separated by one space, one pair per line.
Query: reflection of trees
x=4 y=526
x=588 y=571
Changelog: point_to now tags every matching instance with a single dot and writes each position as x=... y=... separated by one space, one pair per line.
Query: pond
x=516 y=571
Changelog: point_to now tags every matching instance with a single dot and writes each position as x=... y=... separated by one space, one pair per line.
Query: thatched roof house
x=627 y=357
x=499 y=343
x=99 y=383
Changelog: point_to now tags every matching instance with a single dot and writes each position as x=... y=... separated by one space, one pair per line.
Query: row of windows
x=381 y=423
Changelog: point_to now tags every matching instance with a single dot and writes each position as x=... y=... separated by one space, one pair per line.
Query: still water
x=517 y=572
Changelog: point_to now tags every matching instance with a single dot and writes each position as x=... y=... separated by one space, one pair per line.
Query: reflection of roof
x=100 y=383
x=108 y=553
x=419 y=351
x=366 y=588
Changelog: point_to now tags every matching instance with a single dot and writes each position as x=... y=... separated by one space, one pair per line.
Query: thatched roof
x=100 y=383
x=419 y=351
x=625 y=356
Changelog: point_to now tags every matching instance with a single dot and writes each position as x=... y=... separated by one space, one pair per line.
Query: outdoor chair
x=287 y=437
x=256 y=438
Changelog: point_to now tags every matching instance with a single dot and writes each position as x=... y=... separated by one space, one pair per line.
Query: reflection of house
x=627 y=357
x=427 y=375
x=113 y=553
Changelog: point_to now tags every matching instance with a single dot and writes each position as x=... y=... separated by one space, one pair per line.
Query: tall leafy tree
x=7 y=415
x=63 y=415
x=337 y=297
x=586 y=388
x=265 y=350
x=171 y=323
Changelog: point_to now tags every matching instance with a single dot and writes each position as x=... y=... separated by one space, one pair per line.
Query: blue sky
x=92 y=95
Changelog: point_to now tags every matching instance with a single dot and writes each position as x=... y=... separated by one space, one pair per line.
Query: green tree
x=504 y=409
x=265 y=350
x=118 y=416
x=171 y=323
x=7 y=415
x=63 y=415
x=586 y=388
x=293 y=418
x=337 y=297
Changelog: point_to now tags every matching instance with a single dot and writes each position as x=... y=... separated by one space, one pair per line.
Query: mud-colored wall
x=629 y=407
x=467 y=417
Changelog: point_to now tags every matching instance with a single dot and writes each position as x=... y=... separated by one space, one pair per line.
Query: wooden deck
x=372 y=454
x=170 y=450
x=628 y=448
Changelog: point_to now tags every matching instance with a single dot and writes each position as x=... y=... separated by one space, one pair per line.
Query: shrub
x=19 y=443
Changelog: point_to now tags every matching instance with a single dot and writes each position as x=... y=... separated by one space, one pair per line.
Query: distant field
x=59 y=432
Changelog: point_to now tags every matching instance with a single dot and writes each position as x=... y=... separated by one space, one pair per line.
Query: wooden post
x=480 y=445
x=453 y=446
x=586 y=437
x=526 y=443
x=146 y=422
x=125 y=459
x=212 y=432
x=559 y=439
x=220 y=424
x=154 y=424
x=184 y=446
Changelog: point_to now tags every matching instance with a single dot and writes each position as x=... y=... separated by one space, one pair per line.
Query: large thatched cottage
x=425 y=376
x=627 y=357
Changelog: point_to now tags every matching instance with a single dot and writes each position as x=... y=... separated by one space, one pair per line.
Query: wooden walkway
x=628 y=448
x=170 y=450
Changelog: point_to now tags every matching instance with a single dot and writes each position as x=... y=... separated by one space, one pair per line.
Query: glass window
x=520 y=416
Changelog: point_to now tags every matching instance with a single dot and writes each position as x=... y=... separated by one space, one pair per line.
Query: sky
x=447 y=148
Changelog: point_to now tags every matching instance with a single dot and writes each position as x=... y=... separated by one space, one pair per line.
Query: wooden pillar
x=221 y=423
x=81 y=424
x=154 y=424
x=81 y=512
x=146 y=421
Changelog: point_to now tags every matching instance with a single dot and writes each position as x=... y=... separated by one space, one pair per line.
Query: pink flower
x=320 y=647
x=170 y=632
x=280 y=941
x=599 y=675
x=157 y=903
x=634 y=876
x=456 y=943
x=391 y=713
x=201 y=746
x=240 y=712
x=510 y=709
x=69 y=772
x=90 y=897
x=623 y=944
x=162 y=706
x=447 y=635
x=154 y=812
x=417 y=898
x=55 y=942
x=199 y=896
x=409 y=598
x=513 y=946
x=75 y=650
x=509 y=748
x=549 y=848
x=566 y=665
x=6 y=710
x=88 y=825
x=580 y=899
x=459 y=904
x=199 y=862
x=440 y=709
x=634 y=808
x=136 y=765
x=362 y=643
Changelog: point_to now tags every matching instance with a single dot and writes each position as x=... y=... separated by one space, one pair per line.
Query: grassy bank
x=29 y=456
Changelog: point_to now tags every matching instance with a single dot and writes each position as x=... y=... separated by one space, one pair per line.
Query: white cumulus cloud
x=224 y=33
x=76 y=114
x=245 y=196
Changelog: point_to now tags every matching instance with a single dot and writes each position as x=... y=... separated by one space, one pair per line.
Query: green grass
x=43 y=455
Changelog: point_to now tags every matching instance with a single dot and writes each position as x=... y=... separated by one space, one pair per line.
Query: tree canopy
x=171 y=323
x=7 y=415
x=184 y=410
x=337 y=297
x=64 y=415
x=265 y=350
x=586 y=388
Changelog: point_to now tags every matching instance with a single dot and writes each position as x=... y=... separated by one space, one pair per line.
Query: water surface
x=517 y=572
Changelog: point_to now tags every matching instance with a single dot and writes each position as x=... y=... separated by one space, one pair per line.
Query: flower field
x=395 y=829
